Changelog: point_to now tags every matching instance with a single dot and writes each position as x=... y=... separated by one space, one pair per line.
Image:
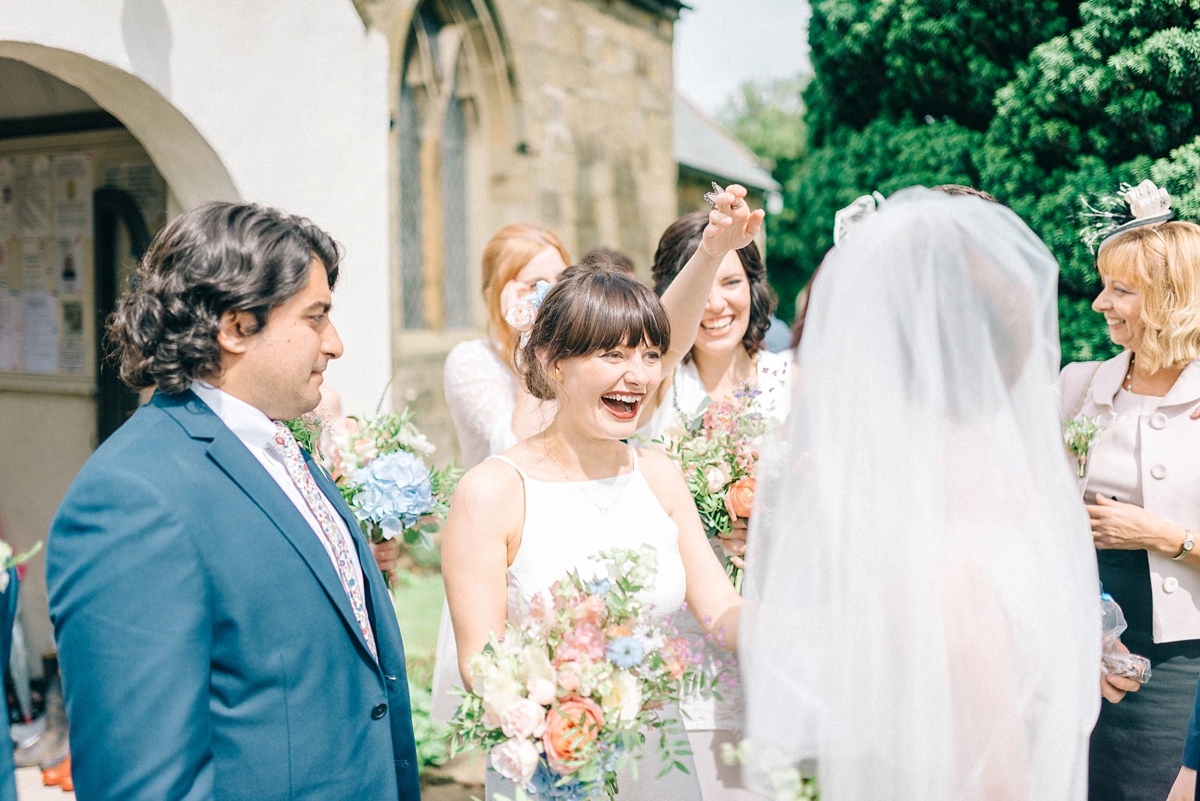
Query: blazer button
x=1158 y=422
x=379 y=711
x=1170 y=584
x=1159 y=471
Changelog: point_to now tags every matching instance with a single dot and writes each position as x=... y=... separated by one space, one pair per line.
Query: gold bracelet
x=1189 y=542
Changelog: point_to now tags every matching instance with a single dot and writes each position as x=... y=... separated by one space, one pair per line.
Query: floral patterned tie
x=319 y=504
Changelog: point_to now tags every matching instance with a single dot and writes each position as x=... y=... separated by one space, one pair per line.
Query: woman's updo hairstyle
x=679 y=243
x=588 y=310
x=1162 y=262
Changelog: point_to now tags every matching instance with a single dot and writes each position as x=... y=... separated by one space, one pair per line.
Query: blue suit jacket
x=8 y=613
x=208 y=650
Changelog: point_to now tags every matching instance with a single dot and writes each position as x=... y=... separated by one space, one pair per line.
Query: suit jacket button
x=1159 y=471
x=1158 y=422
x=379 y=711
x=1170 y=584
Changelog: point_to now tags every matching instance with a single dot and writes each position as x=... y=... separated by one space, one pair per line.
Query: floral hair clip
x=522 y=315
x=1133 y=207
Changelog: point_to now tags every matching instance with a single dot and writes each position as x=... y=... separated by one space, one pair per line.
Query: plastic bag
x=1112 y=661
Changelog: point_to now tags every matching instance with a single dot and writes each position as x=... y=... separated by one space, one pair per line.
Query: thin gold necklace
x=579 y=484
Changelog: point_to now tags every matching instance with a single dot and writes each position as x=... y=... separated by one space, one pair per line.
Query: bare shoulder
x=489 y=484
x=661 y=474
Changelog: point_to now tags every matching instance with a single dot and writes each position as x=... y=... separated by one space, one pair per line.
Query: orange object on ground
x=59 y=775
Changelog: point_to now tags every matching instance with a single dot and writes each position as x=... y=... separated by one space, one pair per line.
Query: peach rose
x=739 y=500
x=571 y=727
x=590 y=610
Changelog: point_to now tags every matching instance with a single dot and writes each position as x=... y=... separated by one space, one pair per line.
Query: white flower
x=717 y=477
x=499 y=690
x=523 y=718
x=415 y=441
x=535 y=664
x=542 y=691
x=624 y=698
x=516 y=760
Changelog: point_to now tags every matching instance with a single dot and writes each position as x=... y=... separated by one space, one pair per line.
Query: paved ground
x=29 y=787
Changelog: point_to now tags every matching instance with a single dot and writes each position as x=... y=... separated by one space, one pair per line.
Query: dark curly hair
x=590 y=309
x=679 y=243
x=216 y=258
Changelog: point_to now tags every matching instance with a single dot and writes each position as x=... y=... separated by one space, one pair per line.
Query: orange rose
x=739 y=500
x=571 y=726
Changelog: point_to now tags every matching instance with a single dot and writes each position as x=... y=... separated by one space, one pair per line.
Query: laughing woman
x=1141 y=487
x=521 y=521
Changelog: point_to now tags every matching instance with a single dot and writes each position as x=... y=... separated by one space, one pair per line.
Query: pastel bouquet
x=565 y=699
x=718 y=454
x=379 y=465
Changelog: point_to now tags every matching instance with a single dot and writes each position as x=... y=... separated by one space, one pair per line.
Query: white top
x=566 y=522
x=564 y=526
x=481 y=392
x=687 y=394
x=257 y=432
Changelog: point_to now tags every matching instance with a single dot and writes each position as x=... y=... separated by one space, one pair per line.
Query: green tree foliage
x=1040 y=102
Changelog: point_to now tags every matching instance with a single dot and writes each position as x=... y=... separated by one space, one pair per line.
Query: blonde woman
x=1142 y=488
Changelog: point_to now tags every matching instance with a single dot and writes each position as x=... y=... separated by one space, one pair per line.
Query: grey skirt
x=1137 y=744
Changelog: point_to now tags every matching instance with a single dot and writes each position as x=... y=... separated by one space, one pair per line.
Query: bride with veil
x=926 y=623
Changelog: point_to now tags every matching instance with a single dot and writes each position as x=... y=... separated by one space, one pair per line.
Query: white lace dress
x=481 y=392
x=564 y=525
x=711 y=723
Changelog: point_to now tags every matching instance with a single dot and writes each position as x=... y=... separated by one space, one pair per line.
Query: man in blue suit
x=223 y=630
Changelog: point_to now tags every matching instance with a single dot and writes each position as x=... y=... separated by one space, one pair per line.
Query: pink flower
x=739 y=501
x=539 y=605
x=523 y=719
x=516 y=760
x=590 y=611
x=569 y=676
x=541 y=691
x=521 y=316
x=588 y=640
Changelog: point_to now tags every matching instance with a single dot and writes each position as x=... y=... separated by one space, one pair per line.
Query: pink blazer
x=1170 y=472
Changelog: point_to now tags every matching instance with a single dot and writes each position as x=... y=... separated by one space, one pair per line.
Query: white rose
x=542 y=691
x=499 y=690
x=522 y=719
x=716 y=478
x=625 y=697
x=516 y=760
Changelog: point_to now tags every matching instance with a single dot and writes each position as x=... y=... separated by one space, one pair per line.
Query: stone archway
x=192 y=169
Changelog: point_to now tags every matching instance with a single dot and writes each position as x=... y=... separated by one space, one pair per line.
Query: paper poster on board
x=68 y=256
x=39 y=333
x=8 y=331
x=36 y=269
x=8 y=199
x=34 y=197
x=73 y=195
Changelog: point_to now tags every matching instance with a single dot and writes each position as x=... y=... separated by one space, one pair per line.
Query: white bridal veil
x=926 y=623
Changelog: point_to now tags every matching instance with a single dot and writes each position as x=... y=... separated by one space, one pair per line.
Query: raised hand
x=731 y=225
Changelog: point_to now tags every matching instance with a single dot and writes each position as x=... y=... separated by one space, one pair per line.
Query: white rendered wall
x=288 y=97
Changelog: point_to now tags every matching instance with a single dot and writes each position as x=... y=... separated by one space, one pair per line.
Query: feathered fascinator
x=844 y=220
x=1133 y=207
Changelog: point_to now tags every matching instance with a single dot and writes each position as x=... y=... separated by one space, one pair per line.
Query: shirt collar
x=247 y=422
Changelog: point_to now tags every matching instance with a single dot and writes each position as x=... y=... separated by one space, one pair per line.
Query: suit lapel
x=228 y=452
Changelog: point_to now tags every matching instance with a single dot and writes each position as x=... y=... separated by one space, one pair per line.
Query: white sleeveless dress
x=565 y=523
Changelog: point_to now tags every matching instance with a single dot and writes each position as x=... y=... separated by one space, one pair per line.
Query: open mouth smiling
x=623 y=406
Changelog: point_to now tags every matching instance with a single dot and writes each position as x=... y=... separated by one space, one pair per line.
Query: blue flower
x=625 y=652
x=540 y=290
x=599 y=587
x=545 y=784
x=396 y=492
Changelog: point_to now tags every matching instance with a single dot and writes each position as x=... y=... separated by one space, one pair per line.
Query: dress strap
x=635 y=456
x=511 y=464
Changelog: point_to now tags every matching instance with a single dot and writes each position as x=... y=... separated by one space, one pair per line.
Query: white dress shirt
x=257 y=432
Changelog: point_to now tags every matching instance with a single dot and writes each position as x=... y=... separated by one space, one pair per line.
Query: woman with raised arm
x=490 y=408
x=519 y=522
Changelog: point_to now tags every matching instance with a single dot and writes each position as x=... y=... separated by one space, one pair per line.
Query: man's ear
x=234 y=331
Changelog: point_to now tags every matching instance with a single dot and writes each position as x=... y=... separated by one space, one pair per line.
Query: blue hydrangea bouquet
x=379 y=464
